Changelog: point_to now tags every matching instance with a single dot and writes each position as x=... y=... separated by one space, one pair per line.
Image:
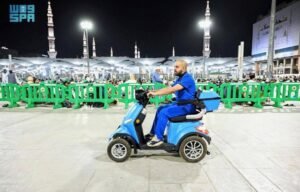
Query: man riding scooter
x=184 y=89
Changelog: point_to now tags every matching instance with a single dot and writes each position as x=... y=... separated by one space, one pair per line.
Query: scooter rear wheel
x=119 y=150
x=193 y=149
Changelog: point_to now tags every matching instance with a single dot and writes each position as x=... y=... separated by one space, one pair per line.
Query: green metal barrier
x=291 y=91
x=43 y=93
x=257 y=93
x=281 y=92
x=125 y=94
x=10 y=93
x=91 y=93
x=2 y=92
x=275 y=94
x=243 y=92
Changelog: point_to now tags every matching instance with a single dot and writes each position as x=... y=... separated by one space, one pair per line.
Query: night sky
x=156 y=25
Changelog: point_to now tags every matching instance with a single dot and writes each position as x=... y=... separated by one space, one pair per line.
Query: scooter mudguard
x=127 y=127
x=176 y=131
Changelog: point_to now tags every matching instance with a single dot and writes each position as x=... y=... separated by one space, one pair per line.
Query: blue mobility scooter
x=184 y=135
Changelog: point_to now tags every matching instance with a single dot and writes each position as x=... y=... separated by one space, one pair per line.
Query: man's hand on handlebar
x=151 y=93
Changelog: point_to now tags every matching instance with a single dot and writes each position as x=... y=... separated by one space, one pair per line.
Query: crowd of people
x=9 y=76
x=251 y=78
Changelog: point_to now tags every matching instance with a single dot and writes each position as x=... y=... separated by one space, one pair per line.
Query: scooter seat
x=188 y=118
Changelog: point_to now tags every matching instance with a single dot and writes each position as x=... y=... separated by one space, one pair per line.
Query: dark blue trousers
x=165 y=112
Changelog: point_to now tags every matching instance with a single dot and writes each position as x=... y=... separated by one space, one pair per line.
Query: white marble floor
x=64 y=150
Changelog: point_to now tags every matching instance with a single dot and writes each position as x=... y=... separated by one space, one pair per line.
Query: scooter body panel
x=127 y=126
x=176 y=131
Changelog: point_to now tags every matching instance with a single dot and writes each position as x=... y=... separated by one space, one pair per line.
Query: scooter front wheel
x=193 y=149
x=119 y=150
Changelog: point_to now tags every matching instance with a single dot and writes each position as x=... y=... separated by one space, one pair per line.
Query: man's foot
x=149 y=136
x=155 y=142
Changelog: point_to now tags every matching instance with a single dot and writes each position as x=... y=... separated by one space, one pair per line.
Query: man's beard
x=179 y=74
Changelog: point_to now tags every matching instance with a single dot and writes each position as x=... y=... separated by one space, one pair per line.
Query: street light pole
x=204 y=66
x=88 y=52
x=271 y=40
x=205 y=24
x=240 y=66
x=86 y=25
